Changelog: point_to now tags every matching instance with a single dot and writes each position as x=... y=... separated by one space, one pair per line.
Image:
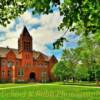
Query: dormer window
x=25 y=41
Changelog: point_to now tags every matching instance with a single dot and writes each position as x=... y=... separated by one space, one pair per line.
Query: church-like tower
x=25 y=51
x=25 y=41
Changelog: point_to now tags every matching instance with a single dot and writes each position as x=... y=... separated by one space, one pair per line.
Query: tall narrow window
x=20 y=72
x=9 y=74
x=19 y=45
x=43 y=77
x=3 y=74
x=3 y=63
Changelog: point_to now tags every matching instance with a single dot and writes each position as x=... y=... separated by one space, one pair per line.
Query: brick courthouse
x=25 y=65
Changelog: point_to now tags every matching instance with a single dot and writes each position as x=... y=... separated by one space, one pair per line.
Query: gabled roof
x=36 y=55
x=4 y=51
x=11 y=52
x=53 y=58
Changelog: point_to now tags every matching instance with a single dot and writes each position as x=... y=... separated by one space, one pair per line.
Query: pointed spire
x=25 y=32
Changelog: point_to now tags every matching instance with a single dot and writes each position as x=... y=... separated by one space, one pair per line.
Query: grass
x=48 y=92
x=82 y=83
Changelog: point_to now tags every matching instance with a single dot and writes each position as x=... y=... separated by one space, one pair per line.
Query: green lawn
x=48 y=92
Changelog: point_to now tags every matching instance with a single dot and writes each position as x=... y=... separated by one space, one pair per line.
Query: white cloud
x=48 y=32
x=28 y=19
x=11 y=42
x=51 y=21
x=45 y=34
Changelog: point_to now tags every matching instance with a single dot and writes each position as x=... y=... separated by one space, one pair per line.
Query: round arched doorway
x=32 y=76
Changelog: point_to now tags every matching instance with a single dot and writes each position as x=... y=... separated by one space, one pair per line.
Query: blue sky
x=42 y=28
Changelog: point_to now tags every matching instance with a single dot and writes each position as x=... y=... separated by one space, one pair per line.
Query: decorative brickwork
x=24 y=64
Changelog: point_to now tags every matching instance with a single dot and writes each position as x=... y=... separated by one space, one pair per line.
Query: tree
x=97 y=75
x=89 y=54
x=71 y=58
x=96 y=69
x=81 y=16
x=61 y=71
x=10 y=9
x=81 y=72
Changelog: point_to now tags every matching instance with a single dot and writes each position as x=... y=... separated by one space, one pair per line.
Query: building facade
x=25 y=64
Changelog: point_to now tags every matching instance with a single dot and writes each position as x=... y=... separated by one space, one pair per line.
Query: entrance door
x=32 y=76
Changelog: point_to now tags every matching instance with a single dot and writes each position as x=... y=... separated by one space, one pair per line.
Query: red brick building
x=24 y=64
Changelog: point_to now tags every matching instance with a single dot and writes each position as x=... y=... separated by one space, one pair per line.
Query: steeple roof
x=25 y=32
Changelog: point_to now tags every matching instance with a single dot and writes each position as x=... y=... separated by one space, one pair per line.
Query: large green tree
x=97 y=75
x=62 y=71
x=81 y=72
x=71 y=57
x=87 y=53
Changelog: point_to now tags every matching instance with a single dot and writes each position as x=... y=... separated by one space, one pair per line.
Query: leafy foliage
x=83 y=61
x=83 y=16
x=89 y=55
x=10 y=9
x=59 y=43
x=81 y=72
x=61 y=71
x=97 y=75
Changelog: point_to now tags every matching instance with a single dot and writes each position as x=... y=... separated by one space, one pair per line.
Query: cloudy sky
x=42 y=28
